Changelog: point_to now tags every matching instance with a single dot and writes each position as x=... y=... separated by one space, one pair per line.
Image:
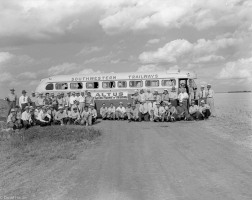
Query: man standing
x=23 y=100
x=143 y=112
x=165 y=96
x=134 y=113
x=89 y=99
x=210 y=99
x=33 y=99
x=93 y=113
x=11 y=100
x=103 y=111
x=72 y=99
x=183 y=96
x=40 y=100
x=54 y=102
x=67 y=99
x=173 y=96
x=81 y=101
x=201 y=94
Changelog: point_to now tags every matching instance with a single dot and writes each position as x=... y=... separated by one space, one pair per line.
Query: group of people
x=79 y=107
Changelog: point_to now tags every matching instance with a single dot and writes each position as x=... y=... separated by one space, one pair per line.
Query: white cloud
x=237 y=69
x=152 y=41
x=88 y=50
x=150 y=68
x=5 y=57
x=89 y=71
x=6 y=77
x=64 y=68
x=182 y=51
x=27 y=75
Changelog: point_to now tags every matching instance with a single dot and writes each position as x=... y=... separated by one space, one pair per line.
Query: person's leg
x=156 y=119
x=90 y=120
x=25 y=124
x=146 y=117
x=207 y=113
x=117 y=115
x=162 y=117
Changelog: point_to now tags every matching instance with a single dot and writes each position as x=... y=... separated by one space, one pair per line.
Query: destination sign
x=109 y=78
x=110 y=95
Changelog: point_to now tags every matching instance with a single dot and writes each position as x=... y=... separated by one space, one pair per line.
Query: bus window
x=136 y=84
x=49 y=86
x=108 y=84
x=169 y=82
x=152 y=83
x=76 y=86
x=122 y=84
x=92 y=85
x=61 y=86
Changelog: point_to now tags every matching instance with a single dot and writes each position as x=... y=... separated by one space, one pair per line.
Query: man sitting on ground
x=12 y=121
x=111 y=112
x=74 y=116
x=43 y=117
x=194 y=111
x=171 y=112
x=134 y=113
x=129 y=112
x=182 y=112
x=93 y=113
x=61 y=117
x=86 y=117
x=159 y=113
x=26 y=118
x=120 y=112
x=104 y=111
x=204 y=110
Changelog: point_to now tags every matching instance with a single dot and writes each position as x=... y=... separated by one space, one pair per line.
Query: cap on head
x=91 y=105
x=13 y=110
x=208 y=84
x=12 y=89
x=202 y=86
x=60 y=108
x=75 y=108
x=173 y=88
x=181 y=102
x=24 y=92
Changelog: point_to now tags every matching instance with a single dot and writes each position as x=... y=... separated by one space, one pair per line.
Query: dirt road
x=182 y=160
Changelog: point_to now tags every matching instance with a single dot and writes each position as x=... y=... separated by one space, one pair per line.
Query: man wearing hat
x=61 y=117
x=11 y=100
x=159 y=113
x=23 y=100
x=26 y=118
x=194 y=111
x=74 y=116
x=86 y=117
x=183 y=96
x=210 y=99
x=72 y=99
x=136 y=98
x=173 y=96
x=43 y=119
x=171 y=112
x=201 y=95
x=134 y=113
x=182 y=111
x=33 y=99
x=12 y=121
x=120 y=112
x=81 y=100
x=204 y=110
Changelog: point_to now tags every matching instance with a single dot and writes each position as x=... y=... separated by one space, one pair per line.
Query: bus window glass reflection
x=136 y=84
x=61 y=86
x=122 y=84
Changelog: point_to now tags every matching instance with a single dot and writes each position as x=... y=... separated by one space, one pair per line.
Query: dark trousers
x=47 y=123
x=58 y=122
x=23 y=105
x=206 y=113
x=145 y=117
x=196 y=115
x=26 y=124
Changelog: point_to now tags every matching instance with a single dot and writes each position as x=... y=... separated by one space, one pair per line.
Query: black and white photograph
x=125 y=99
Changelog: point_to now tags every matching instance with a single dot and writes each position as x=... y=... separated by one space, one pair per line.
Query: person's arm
x=20 y=102
x=95 y=114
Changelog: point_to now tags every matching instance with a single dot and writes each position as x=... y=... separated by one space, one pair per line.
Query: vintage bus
x=116 y=87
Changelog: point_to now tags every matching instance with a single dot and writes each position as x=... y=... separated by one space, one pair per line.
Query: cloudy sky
x=41 y=38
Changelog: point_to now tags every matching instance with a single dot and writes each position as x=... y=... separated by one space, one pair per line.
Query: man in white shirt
x=93 y=113
x=43 y=118
x=183 y=96
x=204 y=110
x=159 y=113
x=61 y=117
x=72 y=99
x=210 y=99
x=104 y=111
x=23 y=100
x=120 y=112
x=81 y=100
x=194 y=111
x=26 y=118
x=111 y=112
x=201 y=95
x=143 y=112
x=173 y=96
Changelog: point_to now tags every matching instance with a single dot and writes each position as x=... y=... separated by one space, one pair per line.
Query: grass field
x=37 y=162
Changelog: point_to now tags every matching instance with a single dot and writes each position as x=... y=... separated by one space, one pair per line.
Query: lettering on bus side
x=150 y=76
x=93 y=78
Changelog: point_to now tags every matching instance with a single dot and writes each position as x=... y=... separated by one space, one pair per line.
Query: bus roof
x=123 y=76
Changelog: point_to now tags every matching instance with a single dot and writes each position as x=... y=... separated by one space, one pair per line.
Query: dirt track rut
x=183 y=161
